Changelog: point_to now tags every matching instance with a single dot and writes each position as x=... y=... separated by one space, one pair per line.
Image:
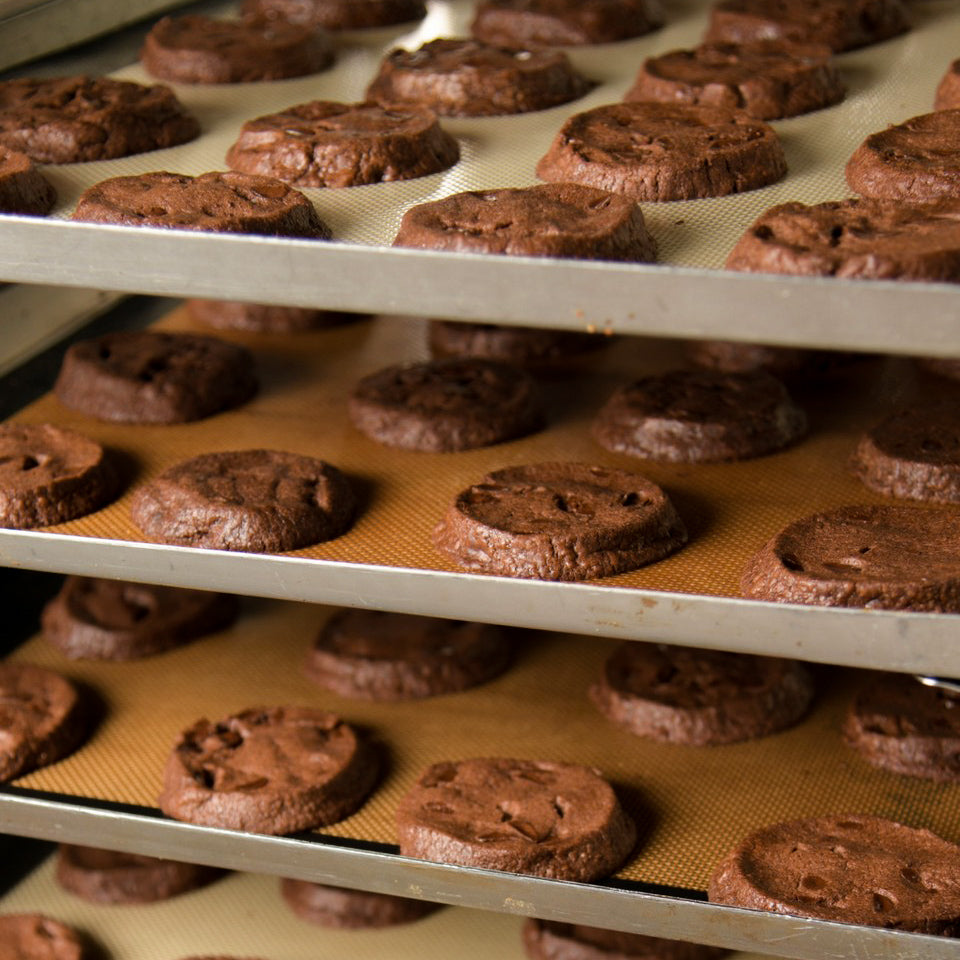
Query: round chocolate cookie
x=851 y=869
x=275 y=770
x=339 y=14
x=700 y=697
x=23 y=189
x=342 y=909
x=913 y=454
x=42 y=719
x=372 y=655
x=446 y=405
x=72 y=119
x=945 y=367
x=880 y=557
x=467 y=78
x=790 y=364
x=263 y=317
x=231 y=202
x=841 y=24
x=549 y=220
x=149 y=376
x=948 y=90
x=699 y=416
x=49 y=475
x=115 y=620
x=259 y=501
x=559 y=521
x=855 y=239
x=559 y=23
x=665 y=151
x=553 y=820
x=767 y=79
x=918 y=159
x=896 y=723
x=549 y=940
x=107 y=876
x=199 y=49
x=31 y=936
x=329 y=144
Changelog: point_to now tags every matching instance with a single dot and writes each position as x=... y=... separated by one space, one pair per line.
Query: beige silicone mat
x=887 y=84
x=691 y=804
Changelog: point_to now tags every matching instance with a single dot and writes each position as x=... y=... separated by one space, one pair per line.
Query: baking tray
x=685 y=296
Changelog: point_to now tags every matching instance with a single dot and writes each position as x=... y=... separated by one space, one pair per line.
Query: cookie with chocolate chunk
x=28 y=935
x=339 y=14
x=948 y=90
x=341 y=909
x=23 y=189
x=264 y=317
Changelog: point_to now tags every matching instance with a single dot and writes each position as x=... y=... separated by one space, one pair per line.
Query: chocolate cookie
x=199 y=49
x=559 y=521
x=371 y=655
x=560 y=23
x=467 y=78
x=115 y=620
x=699 y=416
x=700 y=697
x=548 y=940
x=841 y=24
x=329 y=144
x=259 y=501
x=851 y=869
x=25 y=936
x=790 y=364
x=767 y=79
x=23 y=189
x=42 y=719
x=883 y=558
x=446 y=405
x=263 y=317
x=665 y=151
x=148 y=376
x=342 y=909
x=918 y=159
x=339 y=14
x=553 y=820
x=855 y=239
x=948 y=90
x=275 y=770
x=49 y=475
x=107 y=876
x=231 y=202
x=549 y=220
x=72 y=119
x=946 y=367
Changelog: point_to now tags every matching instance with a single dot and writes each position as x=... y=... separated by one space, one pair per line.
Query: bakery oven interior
x=691 y=806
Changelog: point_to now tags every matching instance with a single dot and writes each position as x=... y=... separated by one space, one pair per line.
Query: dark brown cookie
x=149 y=376
x=856 y=239
x=948 y=90
x=841 y=24
x=107 y=876
x=42 y=719
x=116 y=620
x=468 y=78
x=918 y=159
x=329 y=144
x=372 y=655
x=790 y=364
x=883 y=558
x=699 y=416
x=700 y=697
x=339 y=14
x=31 y=936
x=946 y=367
x=49 y=475
x=23 y=189
x=553 y=820
x=548 y=940
x=665 y=151
x=767 y=79
x=275 y=770
x=260 y=501
x=560 y=23
x=231 y=202
x=549 y=220
x=851 y=869
x=559 y=521
x=72 y=119
x=263 y=317
x=446 y=405
x=199 y=49
x=896 y=723
x=342 y=909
